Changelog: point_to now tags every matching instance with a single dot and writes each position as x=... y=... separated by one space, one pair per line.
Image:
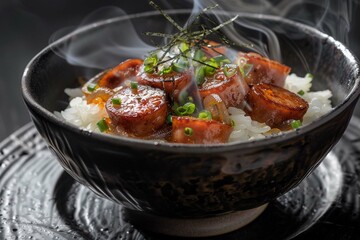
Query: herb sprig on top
x=185 y=48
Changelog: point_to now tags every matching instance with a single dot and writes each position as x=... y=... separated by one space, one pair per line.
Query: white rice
x=82 y=114
x=85 y=116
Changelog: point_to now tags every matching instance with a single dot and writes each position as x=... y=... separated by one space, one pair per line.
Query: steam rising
x=105 y=46
x=101 y=49
x=330 y=17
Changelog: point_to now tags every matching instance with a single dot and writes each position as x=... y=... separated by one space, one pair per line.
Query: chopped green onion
x=181 y=111
x=134 y=85
x=187 y=109
x=151 y=60
x=221 y=59
x=183 y=47
x=177 y=67
x=229 y=70
x=166 y=70
x=169 y=119
x=116 y=101
x=211 y=67
x=188 y=131
x=149 y=63
x=200 y=75
x=301 y=92
x=190 y=99
x=181 y=65
x=296 y=124
x=102 y=125
x=149 y=69
x=232 y=123
x=309 y=75
x=205 y=115
x=199 y=56
x=92 y=87
x=190 y=108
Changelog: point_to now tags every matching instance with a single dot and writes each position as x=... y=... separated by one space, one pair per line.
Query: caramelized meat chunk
x=264 y=70
x=126 y=70
x=274 y=105
x=139 y=112
x=231 y=90
x=171 y=83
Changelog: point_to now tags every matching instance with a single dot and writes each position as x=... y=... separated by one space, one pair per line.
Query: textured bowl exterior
x=178 y=180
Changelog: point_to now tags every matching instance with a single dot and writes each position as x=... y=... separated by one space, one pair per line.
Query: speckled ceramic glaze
x=192 y=181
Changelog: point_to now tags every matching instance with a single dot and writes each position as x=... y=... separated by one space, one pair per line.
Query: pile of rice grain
x=86 y=116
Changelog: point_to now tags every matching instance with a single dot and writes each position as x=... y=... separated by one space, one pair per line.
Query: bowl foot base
x=202 y=227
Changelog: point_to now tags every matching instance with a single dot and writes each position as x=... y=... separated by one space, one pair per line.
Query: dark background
x=27 y=26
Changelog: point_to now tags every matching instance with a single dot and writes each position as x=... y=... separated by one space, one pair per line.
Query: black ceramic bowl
x=194 y=181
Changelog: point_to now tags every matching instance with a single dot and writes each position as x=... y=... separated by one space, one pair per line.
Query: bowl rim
x=192 y=148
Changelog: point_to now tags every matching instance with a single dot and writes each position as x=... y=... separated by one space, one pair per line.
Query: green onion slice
x=181 y=111
x=166 y=70
x=200 y=75
x=301 y=92
x=211 y=67
x=187 y=109
x=181 y=65
x=116 y=101
x=221 y=59
x=169 y=119
x=183 y=47
x=92 y=87
x=134 y=85
x=102 y=125
x=205 y=115
x=149 y=69
x=188 y=131
x=296 y=124
x=229 y=70
x=151 y=60
x=199 y=55
x=150 y=63
x=190 y=108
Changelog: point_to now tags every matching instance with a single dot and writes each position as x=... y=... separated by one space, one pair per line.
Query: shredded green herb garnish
x=190 y=40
